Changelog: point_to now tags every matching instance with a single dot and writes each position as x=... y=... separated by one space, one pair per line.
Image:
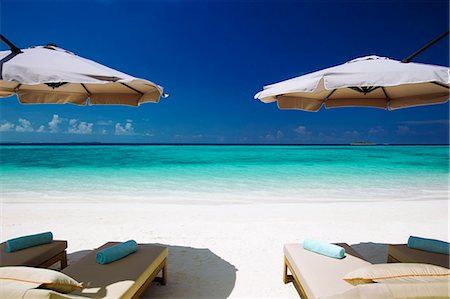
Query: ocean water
x=223 y=174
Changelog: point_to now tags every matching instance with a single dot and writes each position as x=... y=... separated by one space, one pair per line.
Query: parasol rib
x=328 y=96
x=132 y=88
x=441 y=85
x=87 y=90
x=388 y=99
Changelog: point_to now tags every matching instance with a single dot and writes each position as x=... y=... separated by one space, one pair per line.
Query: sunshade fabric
x=383 y=82
x=51 y=75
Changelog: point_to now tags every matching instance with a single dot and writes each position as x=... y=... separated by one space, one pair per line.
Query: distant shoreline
x=206 y=144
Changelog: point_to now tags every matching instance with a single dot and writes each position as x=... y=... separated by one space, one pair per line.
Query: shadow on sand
x=375 y=253
x=192 y=273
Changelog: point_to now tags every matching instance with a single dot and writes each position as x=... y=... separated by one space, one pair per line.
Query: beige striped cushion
x=39 y=277
x=397 y=272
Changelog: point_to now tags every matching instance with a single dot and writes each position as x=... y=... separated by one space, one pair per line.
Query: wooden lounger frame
x=294 y=278
x=148 y=266
x=60 y=257
x=433 y=258
x=153 y=277
x=36 y=256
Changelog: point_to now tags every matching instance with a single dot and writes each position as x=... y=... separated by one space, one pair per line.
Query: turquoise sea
x=223 y=174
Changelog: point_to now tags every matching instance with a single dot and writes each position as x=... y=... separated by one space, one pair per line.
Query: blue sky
x=213 y=56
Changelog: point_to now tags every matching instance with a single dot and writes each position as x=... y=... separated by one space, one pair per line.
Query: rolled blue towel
x=28 y=241
x=323 y=248
x=429 y=245
x=116 y=252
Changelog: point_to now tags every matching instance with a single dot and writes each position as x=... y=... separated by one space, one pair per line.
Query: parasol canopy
x=370 y=81
x=52 y=75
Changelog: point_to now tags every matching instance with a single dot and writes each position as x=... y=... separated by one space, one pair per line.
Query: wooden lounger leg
x=60 y=257
x=293 y=278
x=164 y=273
x=163 y=269
x=391 y=259
x=285 y=278
x=153 y=277
x=64 y=260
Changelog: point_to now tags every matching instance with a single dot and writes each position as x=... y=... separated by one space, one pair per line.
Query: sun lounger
x=124 y=278
x=42 y=256
x=403 y=254
x=317 y=276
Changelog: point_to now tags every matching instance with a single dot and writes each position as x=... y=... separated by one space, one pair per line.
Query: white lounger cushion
x=16 y=281
x=120 y=279
x=416 y=290
x=398 y=272
x=48 y=294
x=319 y=275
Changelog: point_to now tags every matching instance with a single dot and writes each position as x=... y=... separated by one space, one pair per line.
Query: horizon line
x=215 y=144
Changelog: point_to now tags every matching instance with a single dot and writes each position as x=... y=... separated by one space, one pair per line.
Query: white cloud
x=127 y=129
x=353 y=133
x=6 y=126
x=187 y=137
x=280 y=134
x=302 y=131
x=427 y=122
x=272 y=137
x=54 y=123
x=41 y=129
x=269 y=137
x=377 y=130
x=80 y=128
x=403 y=130
x=104 y=122
x=24 y=125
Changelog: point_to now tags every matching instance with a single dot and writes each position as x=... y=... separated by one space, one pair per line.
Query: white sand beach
x=226 y=251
